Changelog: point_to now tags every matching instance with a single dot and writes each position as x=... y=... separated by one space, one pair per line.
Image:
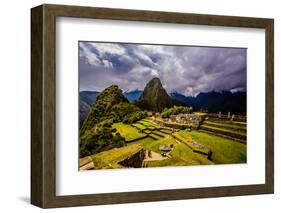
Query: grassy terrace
x=184 y=153
x=109 y=159
x=226 y=126
x=127 y=131
x=147 y=131
x=149 y=123
x=236 y=123
x=155 y=136
x=139 y=126
x=181 y=155
x=227 y=132
x=161 y=133
x=154 y=145
x=144 y=141
x=166 y=131
x=225 y=151
x=186 y=138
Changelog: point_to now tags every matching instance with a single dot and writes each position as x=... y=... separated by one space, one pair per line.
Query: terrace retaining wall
x=239 y=118
x=135 y=160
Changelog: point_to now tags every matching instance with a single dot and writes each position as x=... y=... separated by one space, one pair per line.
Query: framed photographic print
x=137 y=106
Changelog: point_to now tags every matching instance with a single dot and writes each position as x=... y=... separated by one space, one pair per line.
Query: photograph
x=152 y=105
x=148 y=105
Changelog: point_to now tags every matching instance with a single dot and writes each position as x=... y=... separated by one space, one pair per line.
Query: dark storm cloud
x=185 y=69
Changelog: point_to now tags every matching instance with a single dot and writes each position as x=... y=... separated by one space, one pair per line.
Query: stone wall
x=193 y=119
x=229 y=117
x=135 y=160
x=171 y=125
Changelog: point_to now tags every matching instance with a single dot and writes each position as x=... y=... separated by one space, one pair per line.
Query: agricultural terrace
x=216 y=142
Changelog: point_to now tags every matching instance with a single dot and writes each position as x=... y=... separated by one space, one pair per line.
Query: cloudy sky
x=184 y=69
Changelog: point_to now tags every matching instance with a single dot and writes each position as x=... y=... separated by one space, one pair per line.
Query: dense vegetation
x=126 y=113
x=175 y=110
x=97 y=133
x=100 y=138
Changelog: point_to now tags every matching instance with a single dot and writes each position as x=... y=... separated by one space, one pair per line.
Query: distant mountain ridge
x=224 y=101
x=84 y=109
x=133 y=95
x=88 y=97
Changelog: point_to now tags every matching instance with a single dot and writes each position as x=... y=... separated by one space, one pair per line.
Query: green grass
x=181 y=156
x=167 y=162
x=142 y=123
x=160 y=133
x=151 y=128
x=184 y=135
x=155 y=144
x=186 y=138
x=226 y=126
x=140 y=126
x=109 y=159
x=237 y=123
x=127 y=131
x=147 y=131
x=167 y=131
x=221 y=130
x=149 y=123
x=225 y=151
x=184 y=153
x=144 y=142
x=155 y=136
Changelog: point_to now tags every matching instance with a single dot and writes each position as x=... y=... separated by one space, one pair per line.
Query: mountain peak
x=155 y=96
x=155 y=80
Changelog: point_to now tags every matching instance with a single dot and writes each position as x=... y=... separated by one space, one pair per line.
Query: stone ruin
x=229 y=116
x=194 y=120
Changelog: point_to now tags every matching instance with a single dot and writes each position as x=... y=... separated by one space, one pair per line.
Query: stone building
x=193 y=120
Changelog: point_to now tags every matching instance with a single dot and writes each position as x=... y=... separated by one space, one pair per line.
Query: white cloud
x=90 y=56
x=104 y=48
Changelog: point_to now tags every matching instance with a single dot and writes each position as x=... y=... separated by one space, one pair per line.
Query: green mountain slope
x=97 y=133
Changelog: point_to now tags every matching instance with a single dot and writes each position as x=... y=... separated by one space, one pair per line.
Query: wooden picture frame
x=43 y=105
